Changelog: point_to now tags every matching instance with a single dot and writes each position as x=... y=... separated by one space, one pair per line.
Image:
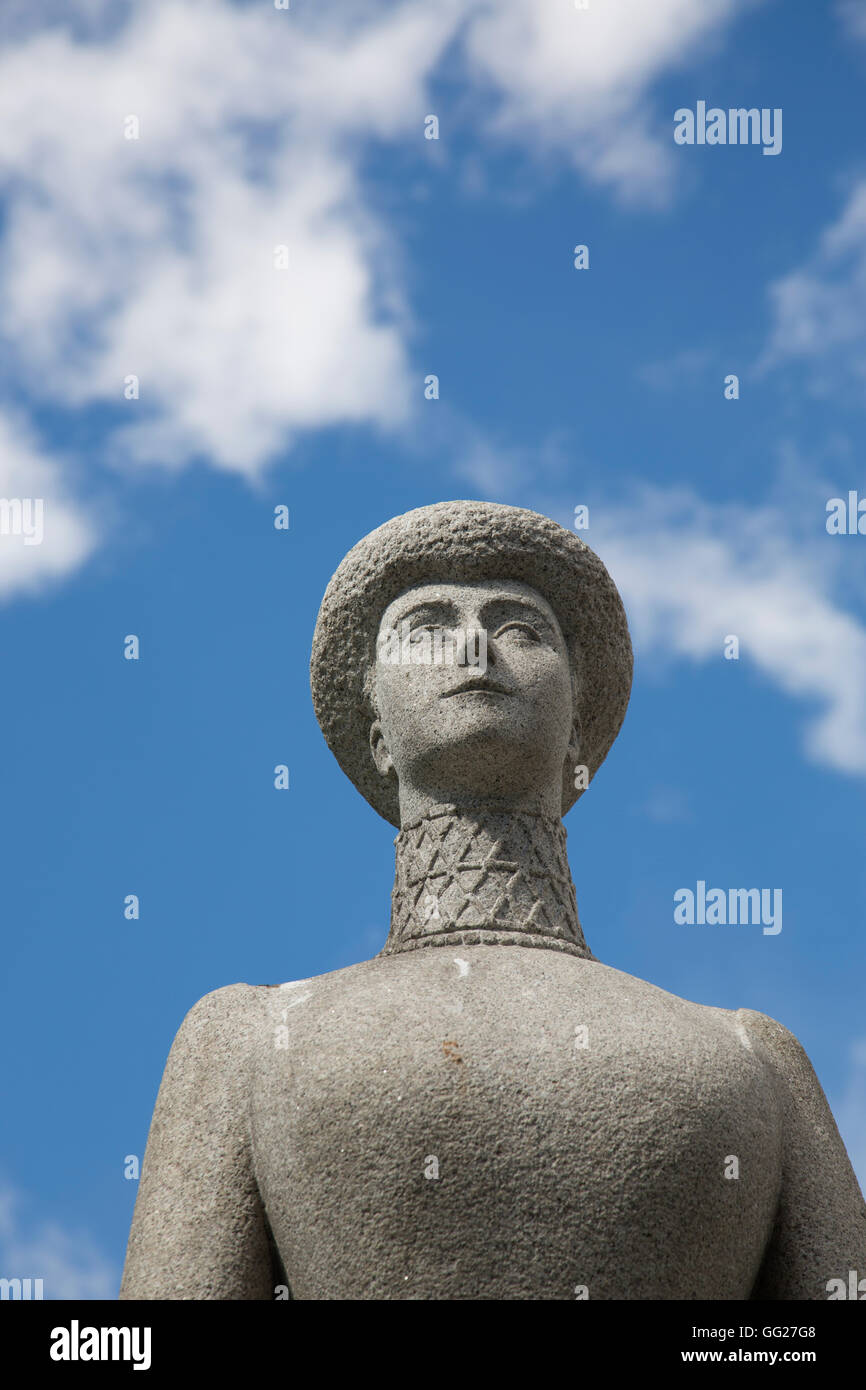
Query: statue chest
x=510 y=1123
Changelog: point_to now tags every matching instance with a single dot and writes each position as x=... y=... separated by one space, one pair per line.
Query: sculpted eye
x=523 y=630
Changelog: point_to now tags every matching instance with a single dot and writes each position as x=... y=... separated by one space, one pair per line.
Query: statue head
x=473 y=693
x=468 y=653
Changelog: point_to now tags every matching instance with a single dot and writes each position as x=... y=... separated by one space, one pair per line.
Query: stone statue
x=484 y=1110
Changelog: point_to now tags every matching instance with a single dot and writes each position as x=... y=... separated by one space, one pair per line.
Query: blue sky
x=305 y=387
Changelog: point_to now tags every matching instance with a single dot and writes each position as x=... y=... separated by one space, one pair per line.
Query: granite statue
x=484 y=1110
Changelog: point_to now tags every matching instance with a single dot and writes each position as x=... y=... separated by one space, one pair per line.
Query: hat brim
x=465 y=541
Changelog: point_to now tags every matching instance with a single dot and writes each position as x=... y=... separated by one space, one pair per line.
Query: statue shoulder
x=226 y=1006
x=778 y=1045
x=225 y=1022
x=794 y=1078
x=820 y=1224
x=216 y=1033
x=198 y=1230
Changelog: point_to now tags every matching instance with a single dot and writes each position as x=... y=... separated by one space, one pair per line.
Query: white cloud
x=577 y=81
x=495 y=468
x=819 y=309
x=69 y=1263
x=853 y=16
x=154 y=256
x=666 y=805
x=672 y=373
x=34 y=499
x=83 y=18
x=691 y=573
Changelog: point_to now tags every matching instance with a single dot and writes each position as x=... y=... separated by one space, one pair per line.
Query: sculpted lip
x=481 y=687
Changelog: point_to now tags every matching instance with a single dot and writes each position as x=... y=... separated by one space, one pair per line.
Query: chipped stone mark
x=295 y=1001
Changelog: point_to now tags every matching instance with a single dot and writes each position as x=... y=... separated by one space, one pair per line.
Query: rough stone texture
x=457 y=1118
x=507 y=875
x=559 y=1166
x=199 y=1231
x=467 y=541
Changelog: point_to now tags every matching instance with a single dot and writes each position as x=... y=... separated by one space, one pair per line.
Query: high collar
x=472 y=877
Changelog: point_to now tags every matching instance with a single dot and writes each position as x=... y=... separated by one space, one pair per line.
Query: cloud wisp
x=693 y=573
x=818 y=310
x=32 y=488
x=190 y=243
x=69 y=1263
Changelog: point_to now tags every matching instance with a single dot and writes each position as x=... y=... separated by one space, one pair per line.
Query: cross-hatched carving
x=506 y=873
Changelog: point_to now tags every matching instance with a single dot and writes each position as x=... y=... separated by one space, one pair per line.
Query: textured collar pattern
x=467 y=878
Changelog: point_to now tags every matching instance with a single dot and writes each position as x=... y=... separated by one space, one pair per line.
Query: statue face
x=464 y=733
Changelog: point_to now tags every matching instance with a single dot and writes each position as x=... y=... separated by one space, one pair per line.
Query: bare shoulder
x=820 y=1229
x=221 y=1008
x=221 y=1017
x=665 y=1008
x=782 y=1052
x=768 y=1048
x=813 y=1138
x=220 y=1031
x=198 y=1229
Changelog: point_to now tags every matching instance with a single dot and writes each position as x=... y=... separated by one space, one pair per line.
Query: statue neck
x=464 y=878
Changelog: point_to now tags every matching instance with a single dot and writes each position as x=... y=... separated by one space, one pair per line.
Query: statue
x=484 y=1110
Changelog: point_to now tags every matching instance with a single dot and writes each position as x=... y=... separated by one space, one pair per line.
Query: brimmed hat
x=463 y=542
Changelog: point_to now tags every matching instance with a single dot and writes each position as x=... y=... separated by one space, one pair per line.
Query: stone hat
x=467 y=541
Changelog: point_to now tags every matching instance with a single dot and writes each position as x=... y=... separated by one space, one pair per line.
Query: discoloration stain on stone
x=298 y=999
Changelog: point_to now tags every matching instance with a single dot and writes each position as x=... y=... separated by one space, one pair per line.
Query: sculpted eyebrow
x=500 y=610
x=437 y=608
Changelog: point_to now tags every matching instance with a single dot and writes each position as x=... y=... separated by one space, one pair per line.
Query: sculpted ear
x=379 y=749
